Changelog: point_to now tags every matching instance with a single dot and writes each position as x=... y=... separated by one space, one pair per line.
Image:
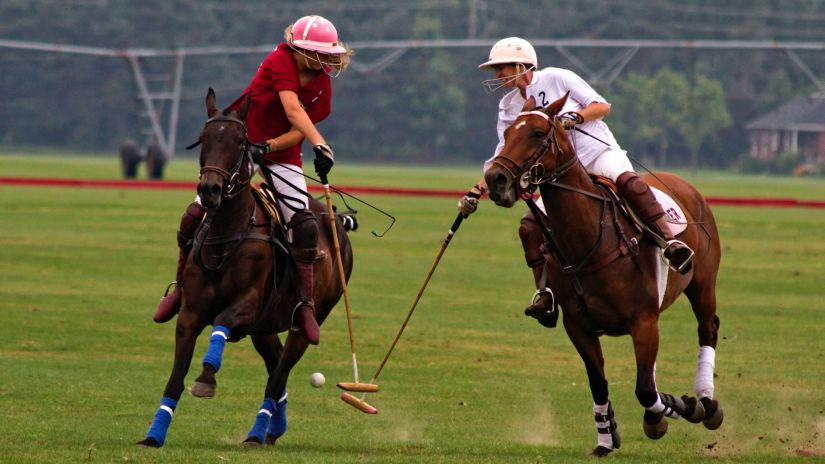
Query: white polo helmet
x=511 y=50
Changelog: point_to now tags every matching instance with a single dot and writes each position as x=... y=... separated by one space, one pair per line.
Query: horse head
x=224 y=161
x=536 y=149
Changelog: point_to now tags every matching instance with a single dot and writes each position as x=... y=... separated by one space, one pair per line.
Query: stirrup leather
x=686 y=263
x=174 y=283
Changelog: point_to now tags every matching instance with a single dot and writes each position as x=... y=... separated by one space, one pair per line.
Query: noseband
x=232 y=182
x=531 y=172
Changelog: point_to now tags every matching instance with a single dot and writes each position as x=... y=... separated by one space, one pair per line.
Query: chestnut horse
x=604 y=271
x=240 y=279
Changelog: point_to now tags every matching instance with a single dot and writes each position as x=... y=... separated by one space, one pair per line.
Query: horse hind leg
x=269 y=348
x=270 y=421
x=703 y=302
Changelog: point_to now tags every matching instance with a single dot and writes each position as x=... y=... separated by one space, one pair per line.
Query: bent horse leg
x=205 y=385
x=275 y=392
x=590 y=350
x=658 y=405
x=186 y=335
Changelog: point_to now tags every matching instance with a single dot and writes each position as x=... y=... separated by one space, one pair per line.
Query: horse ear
x=555 y=107
x=529 y=105
x=211 y=103
x=245 y=107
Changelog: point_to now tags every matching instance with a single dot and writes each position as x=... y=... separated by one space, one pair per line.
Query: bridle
x=231 y=179
x=531 y=172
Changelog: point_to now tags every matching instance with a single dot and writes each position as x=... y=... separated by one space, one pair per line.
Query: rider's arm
x=595 y=110
x=299 y=118
x=286 y=140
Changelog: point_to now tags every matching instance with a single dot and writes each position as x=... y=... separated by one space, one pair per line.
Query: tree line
x=670 y=107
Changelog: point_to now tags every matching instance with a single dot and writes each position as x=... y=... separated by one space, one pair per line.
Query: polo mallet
x=359 y=403
x=355 y=385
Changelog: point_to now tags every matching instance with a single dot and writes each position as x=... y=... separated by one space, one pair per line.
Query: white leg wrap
x=658 y=406
x=604 y=438
x=705 y=364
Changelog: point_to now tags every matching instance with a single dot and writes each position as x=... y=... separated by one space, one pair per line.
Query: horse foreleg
x=186 y=335
x=270 y=422
x=205 y=385
x=590 y=350
x=645 y=333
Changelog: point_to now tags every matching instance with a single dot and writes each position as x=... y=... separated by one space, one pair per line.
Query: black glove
x=259 y=152
x=571 y=119
x=324 y=159
x=469 y=204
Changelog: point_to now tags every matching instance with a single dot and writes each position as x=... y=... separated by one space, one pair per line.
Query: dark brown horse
x=239 y=279
x=605 y=271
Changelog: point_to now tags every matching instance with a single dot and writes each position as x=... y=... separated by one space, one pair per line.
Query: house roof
x=804 y=114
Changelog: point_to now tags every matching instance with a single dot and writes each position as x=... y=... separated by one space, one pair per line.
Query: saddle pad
x=266 y=199
x=673 y=212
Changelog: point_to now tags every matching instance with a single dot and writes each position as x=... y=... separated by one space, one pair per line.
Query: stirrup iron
x=686 y=263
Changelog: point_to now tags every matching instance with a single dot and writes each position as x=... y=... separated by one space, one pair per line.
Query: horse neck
x=234 y=213
x=573 y=217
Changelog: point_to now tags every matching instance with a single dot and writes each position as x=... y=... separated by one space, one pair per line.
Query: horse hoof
x=251 y=442
x=203 y=390
x=148 y=442
x=694 y=410
x=655 y=425
x=601 y=451
x=270 y=439
x=713 y=414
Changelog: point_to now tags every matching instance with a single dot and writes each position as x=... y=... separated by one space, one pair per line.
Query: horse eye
x=537 y=135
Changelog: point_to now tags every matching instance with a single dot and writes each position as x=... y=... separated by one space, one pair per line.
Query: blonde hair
x=337 y=62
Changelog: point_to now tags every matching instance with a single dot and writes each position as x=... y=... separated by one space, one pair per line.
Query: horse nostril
x=215 y=189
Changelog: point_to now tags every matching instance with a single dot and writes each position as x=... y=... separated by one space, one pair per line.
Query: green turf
x=472 y=380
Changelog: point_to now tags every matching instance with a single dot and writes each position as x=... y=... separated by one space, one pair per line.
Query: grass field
x=82 y=366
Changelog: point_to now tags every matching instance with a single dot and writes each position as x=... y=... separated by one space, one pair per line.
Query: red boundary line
x=178 y=185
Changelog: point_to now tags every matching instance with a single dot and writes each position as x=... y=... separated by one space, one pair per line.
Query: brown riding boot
x=304 y=250
x=189 y=222
x=543 y=307
x=303 y=319
x=640 y=198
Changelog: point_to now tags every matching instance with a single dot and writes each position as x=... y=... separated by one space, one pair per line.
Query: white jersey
x=547 y=86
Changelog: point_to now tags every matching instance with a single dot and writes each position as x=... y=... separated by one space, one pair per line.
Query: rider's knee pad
x=189 y=223
x=304 y=227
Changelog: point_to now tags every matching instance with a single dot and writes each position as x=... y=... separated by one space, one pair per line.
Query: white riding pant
x=611 y=164
x=295 y=195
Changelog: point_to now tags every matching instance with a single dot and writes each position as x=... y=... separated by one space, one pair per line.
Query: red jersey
x=266 y=118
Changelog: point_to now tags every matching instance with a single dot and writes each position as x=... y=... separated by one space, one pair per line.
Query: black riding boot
x=641 y=199
x=543 y=307
x=189 y=222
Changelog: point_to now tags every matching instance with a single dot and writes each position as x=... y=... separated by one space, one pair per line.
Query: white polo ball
x=317 y=380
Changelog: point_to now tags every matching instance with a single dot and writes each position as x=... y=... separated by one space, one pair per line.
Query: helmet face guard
x=491 y=85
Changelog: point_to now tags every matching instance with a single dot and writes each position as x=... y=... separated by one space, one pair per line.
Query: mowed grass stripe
x=472 y=380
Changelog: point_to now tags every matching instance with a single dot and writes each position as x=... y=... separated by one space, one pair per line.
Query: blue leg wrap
x=214 y=354
x=277 y=424
x=262 y=419
x=163 y=417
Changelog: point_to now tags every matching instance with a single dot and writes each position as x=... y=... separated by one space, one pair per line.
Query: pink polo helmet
x=317 y=34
